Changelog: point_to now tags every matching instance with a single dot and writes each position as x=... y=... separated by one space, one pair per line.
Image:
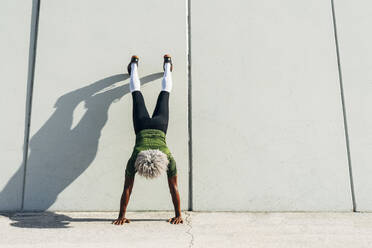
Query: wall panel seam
x=30 y=84
x=343 y=106
x=189 y=92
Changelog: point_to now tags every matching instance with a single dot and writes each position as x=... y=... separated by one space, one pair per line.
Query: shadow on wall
x=59 y=154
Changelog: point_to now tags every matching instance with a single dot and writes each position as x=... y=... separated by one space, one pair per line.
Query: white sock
x=166 y=84
x=134 y=83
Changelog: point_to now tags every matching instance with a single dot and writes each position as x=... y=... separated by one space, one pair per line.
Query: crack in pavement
x=188 y=231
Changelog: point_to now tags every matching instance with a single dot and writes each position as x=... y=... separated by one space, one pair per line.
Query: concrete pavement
x=215 y=229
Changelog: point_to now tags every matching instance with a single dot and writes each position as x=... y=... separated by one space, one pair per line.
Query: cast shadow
x=59 y=153
x=49 y=220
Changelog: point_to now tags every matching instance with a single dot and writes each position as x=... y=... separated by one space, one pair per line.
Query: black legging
x=160 y=117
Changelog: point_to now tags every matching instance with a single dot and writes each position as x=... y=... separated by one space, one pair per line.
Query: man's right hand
x=120 y=221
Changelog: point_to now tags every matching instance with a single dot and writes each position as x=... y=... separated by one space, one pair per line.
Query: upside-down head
x=151 y=163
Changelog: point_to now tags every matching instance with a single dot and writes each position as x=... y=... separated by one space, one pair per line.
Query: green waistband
x=150 y=136
x=150 y=133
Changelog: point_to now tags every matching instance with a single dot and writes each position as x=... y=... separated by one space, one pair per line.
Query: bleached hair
x=151 y=163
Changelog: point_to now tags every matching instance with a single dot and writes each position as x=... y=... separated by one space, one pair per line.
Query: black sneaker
x=168 y=59
x=134 y=59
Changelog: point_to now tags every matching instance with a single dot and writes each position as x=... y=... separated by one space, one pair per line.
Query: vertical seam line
x=30 y=85
x=189 y=92
x=343 y=106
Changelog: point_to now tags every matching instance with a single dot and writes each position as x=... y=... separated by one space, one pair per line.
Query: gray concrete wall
x=353 y=22
x=266 y=126
x=81 y=125
x=267 y=116
x=15 y=23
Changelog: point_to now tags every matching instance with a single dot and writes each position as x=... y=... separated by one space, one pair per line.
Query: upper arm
x=129 y=181
x=172 y=182
x=130 y=171
x=172 y=168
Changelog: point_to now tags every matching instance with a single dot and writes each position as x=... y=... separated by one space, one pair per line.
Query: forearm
x=172 y=182
x=124 y=202
x=128 y=186
x=176 y=203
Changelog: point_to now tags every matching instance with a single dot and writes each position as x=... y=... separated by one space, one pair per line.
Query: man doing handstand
x=151 y=156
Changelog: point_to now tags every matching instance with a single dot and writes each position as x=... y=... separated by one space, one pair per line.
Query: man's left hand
x=176 y=220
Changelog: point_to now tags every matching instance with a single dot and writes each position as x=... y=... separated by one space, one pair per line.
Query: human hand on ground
x=121 y=221
x=176 y=220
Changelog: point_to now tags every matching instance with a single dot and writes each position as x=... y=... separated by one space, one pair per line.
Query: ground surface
x=150 y=229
